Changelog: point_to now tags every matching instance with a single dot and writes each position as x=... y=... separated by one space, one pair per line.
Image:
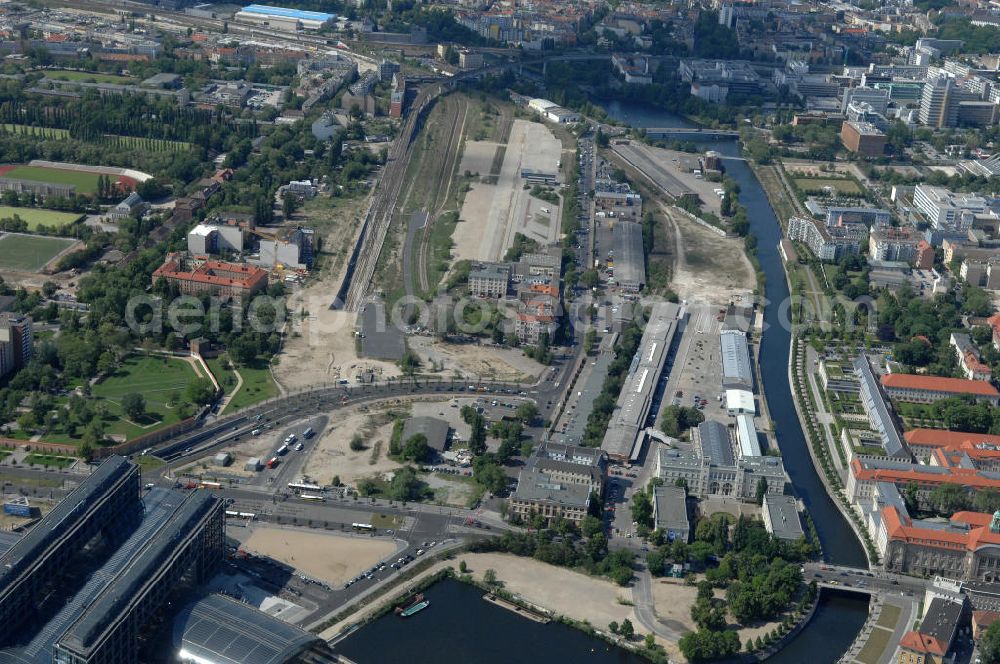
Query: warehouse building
x=735 y=352
x=626 y=435
x=630 y=260
x=746 y=436
x=282 y=18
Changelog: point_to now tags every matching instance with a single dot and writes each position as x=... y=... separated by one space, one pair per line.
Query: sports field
x=88 y=76
x=29 y=253
x=36 y=217
x=86 y=183
x=157 y=379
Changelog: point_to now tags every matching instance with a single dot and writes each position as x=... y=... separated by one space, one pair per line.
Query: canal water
x=460 y=627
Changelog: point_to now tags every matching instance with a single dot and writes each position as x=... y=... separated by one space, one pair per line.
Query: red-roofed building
x=917 y=648
x=933 y=641
x=928 y=389
x=981 y=621
x=994 y=322
x=866 y=473
x=218 y=278
x=982 y=450
x=967 y=547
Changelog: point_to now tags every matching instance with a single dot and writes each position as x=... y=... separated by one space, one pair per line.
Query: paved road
x=642 y=595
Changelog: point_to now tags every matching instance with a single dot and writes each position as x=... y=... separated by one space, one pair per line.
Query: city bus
x=299 y=486
x=204 y=484
x=363 y=527
x=313 y=497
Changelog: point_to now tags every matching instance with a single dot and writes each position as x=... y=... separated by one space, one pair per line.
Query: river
x=460 y=627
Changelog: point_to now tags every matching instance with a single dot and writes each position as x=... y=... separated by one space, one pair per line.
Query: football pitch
x=85 y=182
x=29 y=253
x=36 y=217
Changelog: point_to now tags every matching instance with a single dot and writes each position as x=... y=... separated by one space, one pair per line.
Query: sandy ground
x=708 y=268
x=254 y=446
x=323 y=350
x=813 y=168
x=672 y=599
x=478 y=157
x=477 y=361
x=492 y=214
x=679 y=165
x=334 y=559
x=332 y=454
x=557 y=589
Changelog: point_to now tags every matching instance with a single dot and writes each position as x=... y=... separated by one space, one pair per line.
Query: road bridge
x=691 y=133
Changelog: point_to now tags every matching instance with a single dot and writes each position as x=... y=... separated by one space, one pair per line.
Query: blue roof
x=288 y=13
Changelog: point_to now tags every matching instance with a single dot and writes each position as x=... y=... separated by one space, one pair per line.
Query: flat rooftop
x=630 y=260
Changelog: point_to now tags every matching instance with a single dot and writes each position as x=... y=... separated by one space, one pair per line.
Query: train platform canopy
x=219 y=630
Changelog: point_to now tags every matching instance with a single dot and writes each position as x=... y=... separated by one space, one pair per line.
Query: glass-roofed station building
x=99 y=578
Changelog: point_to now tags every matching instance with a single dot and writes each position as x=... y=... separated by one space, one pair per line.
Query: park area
x=36 y=217
x=30 y=253
x=162 y=383
x=333 y=559
x=843 y=186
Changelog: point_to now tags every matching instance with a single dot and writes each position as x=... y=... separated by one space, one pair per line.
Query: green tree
x=357 y=443
x=613 y=627
x=405 y=485
x=416 y=448
x=134 y=406
x=989 y=645
x=761 y=490
x=200 y=391
x=409 y=364
x=463 y=567
x=948 y=498
x=642 y=509
x=626 y=629
x=526 y=412
x=490 y=578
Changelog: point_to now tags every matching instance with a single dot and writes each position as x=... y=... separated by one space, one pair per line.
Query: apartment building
x=968 y=357
x=903 y=244
x=489 y=280
x=828 y=243
x=16 y=337
x=218 y=278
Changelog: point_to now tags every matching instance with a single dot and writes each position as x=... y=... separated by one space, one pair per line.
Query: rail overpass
x=692 y=133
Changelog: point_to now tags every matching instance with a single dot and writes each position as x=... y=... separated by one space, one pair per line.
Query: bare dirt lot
x=478 y=157
x=334 y=559
x=477 y=361
x=708 y=268
x=321 y=347
x=333 y=456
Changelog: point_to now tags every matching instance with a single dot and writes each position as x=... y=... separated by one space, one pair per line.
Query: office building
x=879 y=411
x=914 y=388
x=712 y=468
x=539 y=494
x=944 y=208
x=977 y=450
x=871 y=217
x=670 y=514
x=781 y=517
x=218 y=278
x=863 y=138
x=489 y=280
x=205 y=239
x=282 y=18
x=16 y=342
x=940 y=101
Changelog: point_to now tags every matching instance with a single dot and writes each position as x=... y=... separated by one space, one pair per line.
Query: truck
x=273 y=463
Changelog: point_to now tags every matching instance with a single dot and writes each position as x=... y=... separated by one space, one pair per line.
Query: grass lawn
x=147 y=462
x=88 y=76
x=52 y=460
x=85 y=182
x=29 y=253
x=877 y=641
x=36 y=217
x=257 y=386
x=155 y=378
x=223 y=372
x=384 y=521
x=816 y=185
x=889 y=616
